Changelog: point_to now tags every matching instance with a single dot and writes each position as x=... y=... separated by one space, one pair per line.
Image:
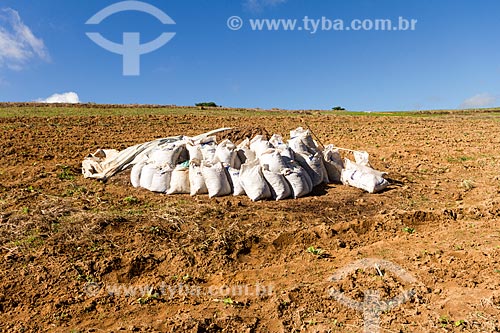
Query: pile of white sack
x=259 y=168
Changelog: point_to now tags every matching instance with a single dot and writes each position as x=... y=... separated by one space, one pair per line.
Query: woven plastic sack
x=280 y=189
x=135 y=174
x=333 y=163
x=234 y=177
x=216 y=179
x=313 y=164
x=179 y=180
x=363 y=177
x=253 y=182
x=299 y=180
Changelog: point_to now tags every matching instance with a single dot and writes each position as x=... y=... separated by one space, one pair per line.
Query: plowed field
x=79 y=255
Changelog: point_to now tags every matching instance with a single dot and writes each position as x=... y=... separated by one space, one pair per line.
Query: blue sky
x=451 y=60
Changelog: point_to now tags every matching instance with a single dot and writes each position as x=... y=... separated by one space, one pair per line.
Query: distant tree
x=338 y=108
x=208 y=104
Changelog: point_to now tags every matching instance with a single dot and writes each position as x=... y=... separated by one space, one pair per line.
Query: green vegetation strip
x=91 y=110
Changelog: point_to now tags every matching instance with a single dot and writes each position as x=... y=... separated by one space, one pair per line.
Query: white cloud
x=18 y=44
x=259 y=5
x=69 y=97
x=479 y=101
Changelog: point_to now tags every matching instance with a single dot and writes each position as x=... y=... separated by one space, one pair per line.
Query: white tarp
x=102 y=166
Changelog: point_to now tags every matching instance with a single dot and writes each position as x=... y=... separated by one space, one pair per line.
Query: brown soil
x=79 y=255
